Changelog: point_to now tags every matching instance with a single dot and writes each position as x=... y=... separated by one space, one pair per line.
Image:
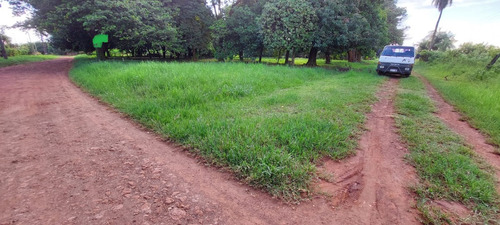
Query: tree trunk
x=107 y=54
x=431 y=44
x=164 y=52
x=493 y=61
x=195 y=55
x=2 y=49
x=287 y=55
x=100 y=53
x=215 y=9
x=44 y=45
x=220 y=9
x=328 y=56
x=260 y=54
x=293 y=58
x=240 y=54
x=353 y=55
x=313 y=53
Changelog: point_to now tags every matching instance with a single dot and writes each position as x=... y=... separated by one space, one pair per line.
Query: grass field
x=15 y=60
x=447 y=167
x=474 y=93
x=268 y=124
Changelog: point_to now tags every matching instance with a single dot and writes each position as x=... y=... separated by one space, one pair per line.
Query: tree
x=395 y=15
x=132 y=25
x=440 y=5
x=4 y=39
x=330 y=29
x=443 y=41
x=193 y=21
x=371 y=29
x=288 y=25
x=239 y=32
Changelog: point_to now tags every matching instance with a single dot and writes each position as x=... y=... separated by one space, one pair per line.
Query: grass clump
x=447 y=167
x=15 y=60
x=268 y=124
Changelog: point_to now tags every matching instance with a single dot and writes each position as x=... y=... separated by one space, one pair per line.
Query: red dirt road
x=372 y=187
x=67 y=159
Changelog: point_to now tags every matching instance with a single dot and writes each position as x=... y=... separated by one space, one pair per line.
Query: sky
x=18 y=36
x=475 y=21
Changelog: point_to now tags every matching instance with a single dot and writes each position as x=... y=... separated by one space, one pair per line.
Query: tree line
x=188 y=29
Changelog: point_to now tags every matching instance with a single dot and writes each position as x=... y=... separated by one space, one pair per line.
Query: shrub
x=430 y=56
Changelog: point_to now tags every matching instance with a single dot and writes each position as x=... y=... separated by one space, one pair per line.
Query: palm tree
x=440 y=5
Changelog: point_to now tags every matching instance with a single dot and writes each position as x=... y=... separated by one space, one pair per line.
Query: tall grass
x=270 y=125
x=447 y=167
x=15 y=60
x=463 y=81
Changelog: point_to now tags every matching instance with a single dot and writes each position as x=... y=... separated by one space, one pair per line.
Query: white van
x=396 y=59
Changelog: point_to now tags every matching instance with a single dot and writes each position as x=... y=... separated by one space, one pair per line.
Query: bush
x=12 y=52
x=430 y=56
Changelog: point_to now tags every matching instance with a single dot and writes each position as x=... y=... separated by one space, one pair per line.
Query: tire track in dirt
x=372 y=186
x=472 y=136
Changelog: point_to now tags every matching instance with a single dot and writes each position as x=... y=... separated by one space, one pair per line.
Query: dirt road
x=472 y=136
x=67 y=159
x=372 y=187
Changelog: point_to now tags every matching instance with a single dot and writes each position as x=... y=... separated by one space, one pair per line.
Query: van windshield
x=399 y=51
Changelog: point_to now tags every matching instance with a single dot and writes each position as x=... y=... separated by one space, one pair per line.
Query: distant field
x=15 y=60
x=268 y=124
x=474 y=93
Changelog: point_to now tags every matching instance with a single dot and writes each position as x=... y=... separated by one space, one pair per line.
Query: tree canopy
x=443 y=41
x=220 y=28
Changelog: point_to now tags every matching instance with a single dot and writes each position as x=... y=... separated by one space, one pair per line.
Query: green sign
x=99 y=39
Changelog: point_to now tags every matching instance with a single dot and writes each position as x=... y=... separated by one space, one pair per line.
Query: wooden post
x=493 y=61
x=2 y=49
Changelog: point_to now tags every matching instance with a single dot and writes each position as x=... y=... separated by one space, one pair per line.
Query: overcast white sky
x=470 y=20
x=475 y=21
x=7 y=19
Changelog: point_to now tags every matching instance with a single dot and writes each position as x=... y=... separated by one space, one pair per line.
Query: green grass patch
x=15 y=60
x=447 y=167
x=474 y=92
x=268 y=124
